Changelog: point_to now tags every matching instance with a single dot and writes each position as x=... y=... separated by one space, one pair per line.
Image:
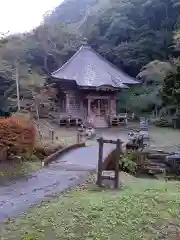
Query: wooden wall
x=75 y=102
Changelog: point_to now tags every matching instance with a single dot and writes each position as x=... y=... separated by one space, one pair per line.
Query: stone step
x=155 y=170
x=155 y=161
x=157 y=156
x=160 y=165
x=151 y=161
x=172 y=177
x=100 y=122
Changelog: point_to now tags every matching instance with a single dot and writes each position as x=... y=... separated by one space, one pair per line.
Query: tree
x=154 y=72
x=177 y=40
x=147 y=98
x=129 y=33
x=171 y=89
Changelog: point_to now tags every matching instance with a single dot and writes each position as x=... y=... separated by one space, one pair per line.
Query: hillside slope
x=129 y=33
x=81 y=14
x=70 y=11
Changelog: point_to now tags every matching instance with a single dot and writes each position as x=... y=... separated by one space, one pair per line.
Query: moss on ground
x=9 y=171
x=29 y=164
x=142 y=209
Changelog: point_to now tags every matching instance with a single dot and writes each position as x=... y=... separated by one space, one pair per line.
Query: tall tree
x=171 y=89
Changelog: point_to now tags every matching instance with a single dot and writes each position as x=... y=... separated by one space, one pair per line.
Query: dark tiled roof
x=88 y=68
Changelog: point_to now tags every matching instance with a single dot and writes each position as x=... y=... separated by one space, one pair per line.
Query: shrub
x=44 y=151
x=176 y=120
x=163 y=123
x=17 y=135
x=128 y=163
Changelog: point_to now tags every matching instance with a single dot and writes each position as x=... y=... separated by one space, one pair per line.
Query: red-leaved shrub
x=17 y=135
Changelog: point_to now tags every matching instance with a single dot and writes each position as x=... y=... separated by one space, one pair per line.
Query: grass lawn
x=9 y=171
x=165 y=138
x=142 y=209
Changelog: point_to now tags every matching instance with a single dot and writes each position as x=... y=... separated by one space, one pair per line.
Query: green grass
x=165 y=138
x=142 y=209
x=10 y=170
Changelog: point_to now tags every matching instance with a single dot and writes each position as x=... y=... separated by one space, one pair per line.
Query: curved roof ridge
x=88 y=68
x=66 y=63
x=112 y=65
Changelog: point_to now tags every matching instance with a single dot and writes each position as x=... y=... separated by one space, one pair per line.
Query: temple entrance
x=99 y=107
x=104 y=109
x=98 y=110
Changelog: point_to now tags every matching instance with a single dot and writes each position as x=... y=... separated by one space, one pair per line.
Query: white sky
x=23 y=15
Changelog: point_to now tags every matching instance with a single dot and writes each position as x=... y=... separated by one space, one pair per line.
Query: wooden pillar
x=89 y=107
x=109 y=112
x=109 y=105
x=113 y=105
x=67 y=103
x=81 y=105
x=99 y=106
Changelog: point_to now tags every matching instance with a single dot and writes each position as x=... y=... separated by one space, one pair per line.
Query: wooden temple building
x=88 y=87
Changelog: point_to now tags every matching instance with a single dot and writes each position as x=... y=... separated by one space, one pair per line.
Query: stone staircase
x=156 y=164
x=160 y=164
x=155 y=167
x=100 y=122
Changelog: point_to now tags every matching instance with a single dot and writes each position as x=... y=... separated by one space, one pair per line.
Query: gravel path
x=67 y=172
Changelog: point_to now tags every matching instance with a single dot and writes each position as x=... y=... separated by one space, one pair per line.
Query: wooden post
x=141 y=143
x=113 y=106
x=68 y=122
x=52 y=134
x=76 y=121
x=67 y=103
x=78 y=137
x=117 y=159
x=100 y=162
x=99 y=107
x=89 y=107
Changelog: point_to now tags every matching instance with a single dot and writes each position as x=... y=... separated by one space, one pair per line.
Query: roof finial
x=85 y=42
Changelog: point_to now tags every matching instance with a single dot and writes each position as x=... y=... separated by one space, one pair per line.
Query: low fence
x=57 y=154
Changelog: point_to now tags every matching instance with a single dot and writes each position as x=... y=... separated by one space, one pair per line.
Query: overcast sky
x=23 y=15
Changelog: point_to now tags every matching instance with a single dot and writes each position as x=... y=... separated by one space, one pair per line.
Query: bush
x=176 y=120
x=42 y=152
x=163 y=123
x=128 y=163
x=17 y=135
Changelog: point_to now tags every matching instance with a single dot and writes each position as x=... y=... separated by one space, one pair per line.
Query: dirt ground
x=62 y=135
x=160 y=138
